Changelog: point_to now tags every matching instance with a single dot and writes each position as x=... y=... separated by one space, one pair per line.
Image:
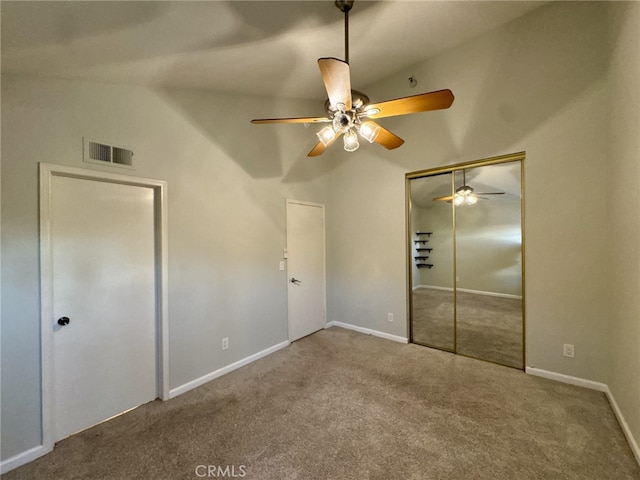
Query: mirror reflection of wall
x=432 y=277
x=470 y=300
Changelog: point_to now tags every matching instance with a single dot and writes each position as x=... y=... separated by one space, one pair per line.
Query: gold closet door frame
x=512 y=157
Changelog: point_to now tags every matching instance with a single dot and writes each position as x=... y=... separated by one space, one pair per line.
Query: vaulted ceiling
x=257 y=47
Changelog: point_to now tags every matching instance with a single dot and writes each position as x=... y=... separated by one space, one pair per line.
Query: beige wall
x=538 y=85
x=227 y=185
x=488 y=247
x=623 y=226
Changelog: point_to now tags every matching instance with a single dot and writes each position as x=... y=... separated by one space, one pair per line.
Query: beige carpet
x=488 y=327
x=343 y=405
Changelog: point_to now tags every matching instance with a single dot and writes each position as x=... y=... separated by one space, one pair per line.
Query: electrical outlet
x=390 y=317
x=225 y=343
x=568 y=350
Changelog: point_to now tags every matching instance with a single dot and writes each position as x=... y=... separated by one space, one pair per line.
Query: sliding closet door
x=465 y=258
x=489 y=265
x=432 y=298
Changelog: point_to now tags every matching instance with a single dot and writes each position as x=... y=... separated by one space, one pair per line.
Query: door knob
x=62 y=321
x=295 y=281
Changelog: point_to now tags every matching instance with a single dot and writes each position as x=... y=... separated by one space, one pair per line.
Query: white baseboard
x=224 y=370
x=490 y=294
x=466 y=290
x=601 y=387
x=560 y=377
x=368 y=331
x=433 y=287
x=625 y=426
x=23 y=458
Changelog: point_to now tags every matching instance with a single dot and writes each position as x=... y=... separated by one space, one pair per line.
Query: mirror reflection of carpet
x=488 y=327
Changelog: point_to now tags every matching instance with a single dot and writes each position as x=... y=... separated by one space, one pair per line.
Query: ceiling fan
x=349 y=112
x=465 y=194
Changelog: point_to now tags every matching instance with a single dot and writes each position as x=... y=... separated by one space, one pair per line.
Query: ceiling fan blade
x=414 y=104
x=337 y=81
x=317 y=150
x=291 y=120
x=446 y=198
x=387 y=139
x=321 y=147
x=490 y=193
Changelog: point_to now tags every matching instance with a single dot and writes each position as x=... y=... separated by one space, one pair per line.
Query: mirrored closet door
x=465 y=249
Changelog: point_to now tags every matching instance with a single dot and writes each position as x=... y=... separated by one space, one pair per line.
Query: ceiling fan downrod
x=345 y=6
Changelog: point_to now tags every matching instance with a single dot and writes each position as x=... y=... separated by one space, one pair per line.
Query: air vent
x=122 y=156
x=95 y=152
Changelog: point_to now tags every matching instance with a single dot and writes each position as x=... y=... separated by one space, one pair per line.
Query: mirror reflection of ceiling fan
x=349 y=112
x=465 y=194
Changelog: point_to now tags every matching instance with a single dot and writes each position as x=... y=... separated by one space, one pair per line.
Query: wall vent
x=96 y=152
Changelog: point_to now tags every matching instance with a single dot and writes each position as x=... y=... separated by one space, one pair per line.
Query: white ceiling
x=258 y=47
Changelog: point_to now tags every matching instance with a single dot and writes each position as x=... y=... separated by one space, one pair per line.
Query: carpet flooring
x=488 y=327
x=344 y=405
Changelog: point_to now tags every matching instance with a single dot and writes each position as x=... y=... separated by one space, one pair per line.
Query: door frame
x=324 y=258
x=46 y=172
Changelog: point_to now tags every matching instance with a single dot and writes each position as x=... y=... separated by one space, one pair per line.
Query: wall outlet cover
x=568 y=350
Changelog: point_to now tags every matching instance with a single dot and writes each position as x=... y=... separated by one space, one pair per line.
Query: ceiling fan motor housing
x=358 y=101
x=464 y=190
x=342 y=121
x=344 y=5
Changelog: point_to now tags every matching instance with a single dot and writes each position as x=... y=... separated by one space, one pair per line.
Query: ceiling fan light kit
x=350 y=113
x=465 y=198
x=465 y=194
x=369 y=131
x=351 y=141
x=327 y=135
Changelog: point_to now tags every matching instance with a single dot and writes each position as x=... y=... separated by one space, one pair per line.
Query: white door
x=103 y=282
x=305 y=268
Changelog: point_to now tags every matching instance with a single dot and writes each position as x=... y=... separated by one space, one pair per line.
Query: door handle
x=62 y=321
x=295 y=281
